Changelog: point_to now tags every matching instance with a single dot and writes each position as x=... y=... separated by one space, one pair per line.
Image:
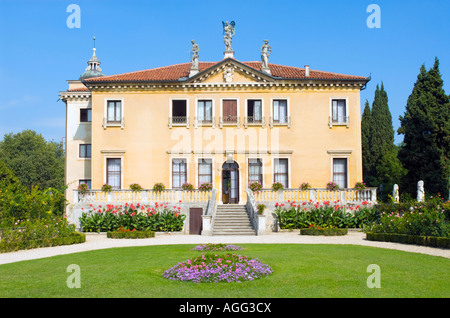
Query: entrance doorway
x=230 y=183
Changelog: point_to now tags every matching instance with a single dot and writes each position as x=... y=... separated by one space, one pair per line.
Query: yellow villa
x=227 y=123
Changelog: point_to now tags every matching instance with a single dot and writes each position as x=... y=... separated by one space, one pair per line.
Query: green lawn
x=299 y=271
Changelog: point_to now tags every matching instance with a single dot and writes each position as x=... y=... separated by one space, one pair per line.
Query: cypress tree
x=426 y=129
x=365 y=141
x=382 y=165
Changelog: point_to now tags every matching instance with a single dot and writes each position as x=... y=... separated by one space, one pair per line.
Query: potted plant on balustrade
x=135 y=187
x=106 y=188
x=359 y=186
x=332 y=186
x=255 y=186
x=205 y=186
x=187 y=186
x=82 y=189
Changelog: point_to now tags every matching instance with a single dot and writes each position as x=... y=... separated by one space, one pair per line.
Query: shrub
x=159 y=187
x=50 y=231
x=129 y=234
x=205 y=186
x=317 y=230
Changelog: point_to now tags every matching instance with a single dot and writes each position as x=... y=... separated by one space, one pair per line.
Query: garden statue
x=420 y=191
x=395 y=194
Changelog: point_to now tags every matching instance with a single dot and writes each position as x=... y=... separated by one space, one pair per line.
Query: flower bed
x=213 y=268
x=216 y=247
x=158 y=217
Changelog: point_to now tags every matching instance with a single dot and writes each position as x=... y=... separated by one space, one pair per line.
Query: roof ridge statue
x=229 y=32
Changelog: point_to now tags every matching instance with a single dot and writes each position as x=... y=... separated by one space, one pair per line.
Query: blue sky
x=39 y=52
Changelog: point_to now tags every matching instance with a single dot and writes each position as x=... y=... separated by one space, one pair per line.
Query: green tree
x=365 y=141
x=380 y=162
x=426 y=128
x=33 y=160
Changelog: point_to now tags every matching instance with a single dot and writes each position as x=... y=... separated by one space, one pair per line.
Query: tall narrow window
x=178 y=173
x=113 y=173
x=179 y=111
x=85 y=151
x=204 y=171
x=339 y=110
x=281 y=172
x=340 y=172
x=204 y=111
x=255 y=171
x=280 y=114
x=114 y=111
x=85 y=115
x=254 y=111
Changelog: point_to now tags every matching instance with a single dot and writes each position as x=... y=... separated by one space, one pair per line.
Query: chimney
x=306 y=70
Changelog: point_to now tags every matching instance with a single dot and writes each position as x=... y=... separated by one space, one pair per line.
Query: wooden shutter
x=229 y=110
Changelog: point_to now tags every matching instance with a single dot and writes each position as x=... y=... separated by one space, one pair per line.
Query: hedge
x=130 y=234
x=74 y=238
x=326 y=232
x=433 y=241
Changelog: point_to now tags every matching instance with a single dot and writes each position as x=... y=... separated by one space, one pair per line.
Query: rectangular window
x=204 y=171
x=281 y=172
x=85 y=115
x=178 y=173
x=280 y=114
x=255 y=171
x=114 y=111
x=339 y=111
x=204 y=111
x=179 y=111
x=340 y=172
x=254 y=111
x=114 y=172
x=85 y=151
x=86 y=181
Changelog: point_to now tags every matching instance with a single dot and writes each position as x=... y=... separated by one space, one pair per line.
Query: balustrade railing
x=143 y=196
x=344 y=196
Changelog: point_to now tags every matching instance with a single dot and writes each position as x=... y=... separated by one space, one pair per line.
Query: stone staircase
x=232 y=219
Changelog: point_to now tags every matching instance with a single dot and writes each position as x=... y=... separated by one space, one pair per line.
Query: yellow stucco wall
x=147 y=144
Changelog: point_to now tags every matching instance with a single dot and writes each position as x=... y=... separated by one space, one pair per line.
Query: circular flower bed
x=216 y=247
x=213 y=268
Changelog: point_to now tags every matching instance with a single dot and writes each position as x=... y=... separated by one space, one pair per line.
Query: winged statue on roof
x=228 y=31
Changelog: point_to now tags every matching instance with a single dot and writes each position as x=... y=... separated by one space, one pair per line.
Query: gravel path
x=96 y=241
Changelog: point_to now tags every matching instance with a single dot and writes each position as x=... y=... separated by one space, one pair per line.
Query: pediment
x=230 y=71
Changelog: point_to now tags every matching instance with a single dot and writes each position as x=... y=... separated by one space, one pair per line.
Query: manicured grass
x=299 y=271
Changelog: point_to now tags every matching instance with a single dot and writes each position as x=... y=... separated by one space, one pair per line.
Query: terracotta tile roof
x=179 y=71
x=79 y=89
